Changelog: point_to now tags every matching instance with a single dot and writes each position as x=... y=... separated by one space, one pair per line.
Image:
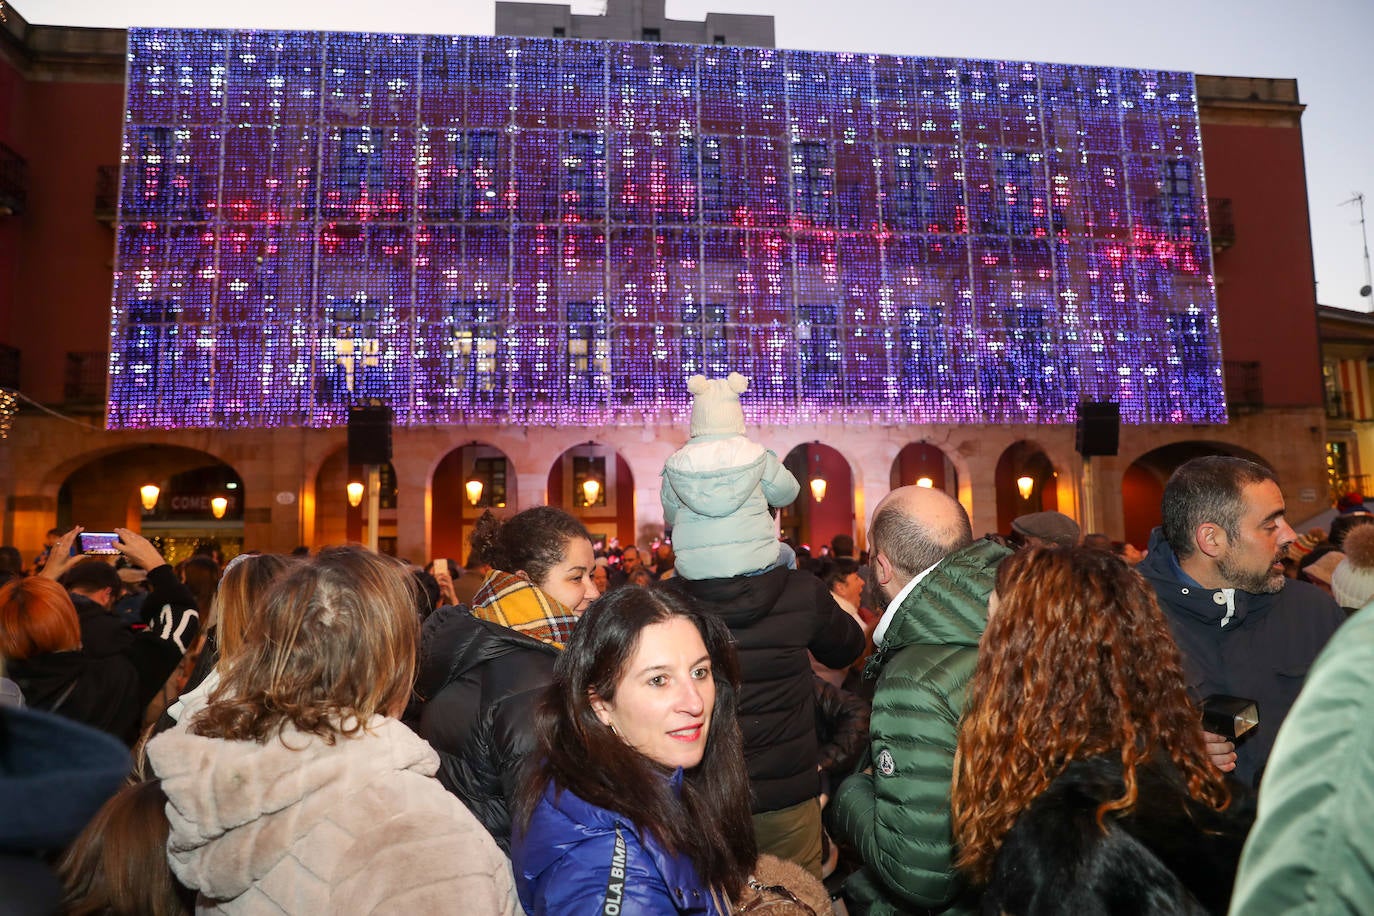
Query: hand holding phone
x=97 y=543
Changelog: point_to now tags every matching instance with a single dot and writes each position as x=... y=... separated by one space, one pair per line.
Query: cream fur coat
x=299 y=826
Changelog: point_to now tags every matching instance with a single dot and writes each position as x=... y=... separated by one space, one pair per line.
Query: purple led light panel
x=552 y=232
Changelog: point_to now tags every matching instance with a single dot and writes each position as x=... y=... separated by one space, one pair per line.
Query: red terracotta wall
x=64 y=280
x=11 y=134
x=1142 y=495
x=1265 y=280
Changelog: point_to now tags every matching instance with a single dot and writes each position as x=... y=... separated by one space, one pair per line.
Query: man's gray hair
x=1208 y=489
x=911 y=543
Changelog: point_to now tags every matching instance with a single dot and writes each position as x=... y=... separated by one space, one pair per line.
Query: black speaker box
x=369 y=434
x=1099 y=428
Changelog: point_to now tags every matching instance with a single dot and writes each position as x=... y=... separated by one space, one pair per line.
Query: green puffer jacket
x=1310 y=851
x=898 y=817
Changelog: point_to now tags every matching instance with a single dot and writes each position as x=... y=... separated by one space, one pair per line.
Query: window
x=813 y=179
x=560 y=32
x=492 y=472
x=477 y=171
x=718 y=40
x=909 y=202
x=651 y=35
x=473 y=344
x=1176 y=201
x=584 y=178
x=589 y=346
x=149 y=327
x=360 y=160
x=818 y=345
x=705 y=340
x=351 y=349
x=922 y=359
x=714 y=205
x=1016 y=191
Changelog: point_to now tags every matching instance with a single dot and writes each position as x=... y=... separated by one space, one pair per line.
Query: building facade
x=60 y=116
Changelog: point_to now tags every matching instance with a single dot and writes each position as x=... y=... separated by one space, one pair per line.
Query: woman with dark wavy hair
x=641 y=801
x=1082 y=783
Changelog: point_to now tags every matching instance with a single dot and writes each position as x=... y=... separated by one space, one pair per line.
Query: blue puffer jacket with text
x=577 y=858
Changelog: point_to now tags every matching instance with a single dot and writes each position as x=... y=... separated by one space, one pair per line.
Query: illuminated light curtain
x=554 y=232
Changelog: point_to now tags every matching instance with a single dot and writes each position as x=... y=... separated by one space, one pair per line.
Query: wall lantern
x=219 y=505
x=474 y=490
x=1025 y=486
x=818 y=486
x=925 y=483
x=591 y=490
x=355 y=493
x=148 y=493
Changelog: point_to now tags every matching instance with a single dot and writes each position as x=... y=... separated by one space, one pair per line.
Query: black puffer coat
x=478 y=684
x=776 y=617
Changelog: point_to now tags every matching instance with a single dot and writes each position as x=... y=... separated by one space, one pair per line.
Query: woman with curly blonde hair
x=1082 y=783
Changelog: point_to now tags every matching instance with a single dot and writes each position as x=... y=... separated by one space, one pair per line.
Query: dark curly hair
x=1076 y=662
x=532 y=542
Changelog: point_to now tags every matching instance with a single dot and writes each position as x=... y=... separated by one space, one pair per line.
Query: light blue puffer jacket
x=716 y=493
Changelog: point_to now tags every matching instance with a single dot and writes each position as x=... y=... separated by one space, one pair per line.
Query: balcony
x=1244 y=386
x=85 y=377
x=1223 y=225
x=107 y=193
x=14 y=182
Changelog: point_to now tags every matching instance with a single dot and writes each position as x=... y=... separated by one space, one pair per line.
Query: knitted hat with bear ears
x=715 y=405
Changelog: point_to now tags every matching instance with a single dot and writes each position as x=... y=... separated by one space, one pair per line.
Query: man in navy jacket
x=1244 y=629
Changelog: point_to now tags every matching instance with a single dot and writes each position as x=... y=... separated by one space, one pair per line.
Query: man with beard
x=934 y=581
x=1244 y=629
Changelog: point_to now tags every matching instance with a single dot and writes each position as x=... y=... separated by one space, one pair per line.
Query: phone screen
x=98 y=542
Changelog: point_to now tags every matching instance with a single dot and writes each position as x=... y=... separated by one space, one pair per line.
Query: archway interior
x=920 y=461
x=810 y=522
x=337 y=522
x=470 y=480
x=1024 y=459
x=104 y=493
x=595 y=484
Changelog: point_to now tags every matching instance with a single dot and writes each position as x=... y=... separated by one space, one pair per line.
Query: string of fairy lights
x=549 y=232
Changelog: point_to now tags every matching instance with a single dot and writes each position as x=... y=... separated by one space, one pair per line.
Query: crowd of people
x=720 y=723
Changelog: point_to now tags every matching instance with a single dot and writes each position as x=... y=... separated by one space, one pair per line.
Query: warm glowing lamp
x=355 y=493
x=591 y=489
x=148 y=493
x=219 y=505
x=818 y=488
x=474 y=488
x=1024 y=486
x=925 y=482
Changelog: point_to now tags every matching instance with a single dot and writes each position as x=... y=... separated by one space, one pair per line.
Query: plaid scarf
x=517 y=603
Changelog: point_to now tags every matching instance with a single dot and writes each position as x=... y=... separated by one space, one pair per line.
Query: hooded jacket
x=480 y=681
x=296 y=825
x=577 y=858
x=776 y=618
x=898 y=815
x=1257 y=646
x=716 y=492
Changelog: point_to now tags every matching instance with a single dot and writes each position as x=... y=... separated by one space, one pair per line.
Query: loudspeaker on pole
x=369 y=434
x=1099 y=428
